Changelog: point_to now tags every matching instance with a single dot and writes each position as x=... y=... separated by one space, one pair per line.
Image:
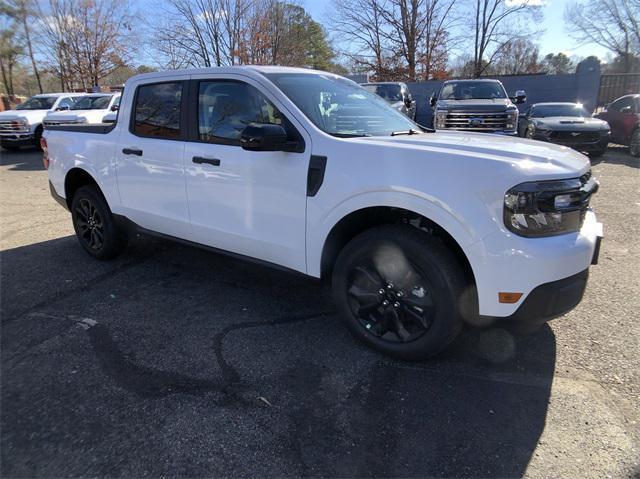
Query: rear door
x=150 y=170
x=248 y=202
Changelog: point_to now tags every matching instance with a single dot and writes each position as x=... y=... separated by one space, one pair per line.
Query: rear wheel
x=94 y=225
x=597 y=153
x=399 y=290
x=634 y=144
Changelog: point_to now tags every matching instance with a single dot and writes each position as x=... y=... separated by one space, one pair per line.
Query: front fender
x=319 y=226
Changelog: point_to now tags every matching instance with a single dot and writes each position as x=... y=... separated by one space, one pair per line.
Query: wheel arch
x=358 y=221
x=75 y=178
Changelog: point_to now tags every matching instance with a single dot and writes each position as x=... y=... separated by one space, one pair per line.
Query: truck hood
x=32 y=116
x=500 y=104
x=572 y=123
x=535 y=158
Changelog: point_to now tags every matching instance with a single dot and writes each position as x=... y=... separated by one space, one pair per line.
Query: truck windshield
x=92 y=103
x=339 y=106
x=543 y=111
x=37 y=103
x=469 y=90
x=389 y=92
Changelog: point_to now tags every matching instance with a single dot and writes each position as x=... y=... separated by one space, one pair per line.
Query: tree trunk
x=30 y=49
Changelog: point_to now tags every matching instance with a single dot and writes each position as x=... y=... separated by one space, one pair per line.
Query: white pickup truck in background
x=23 y=126
x=417 y=231
x=89 y=109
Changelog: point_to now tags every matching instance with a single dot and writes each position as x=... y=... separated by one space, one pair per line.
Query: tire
x=634 y=144
x=10 y=147
x=36 y=138
x=94 y=224
x=417 y=277
x=597 y=153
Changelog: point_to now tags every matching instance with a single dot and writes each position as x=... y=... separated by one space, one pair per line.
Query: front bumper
x=548 y=301
x=506 y=262
x=598 y=145
x=17 y=139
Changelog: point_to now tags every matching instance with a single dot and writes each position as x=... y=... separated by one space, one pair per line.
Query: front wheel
x=597 y=153
x=634 y=144
x=399 y=290
x=94 y=225
x=10 y=147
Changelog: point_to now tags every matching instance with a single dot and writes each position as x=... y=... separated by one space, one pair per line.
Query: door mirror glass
x=625 y=109
x=62 y=108
x=114 y=108
x=264 y=137
x=433 y=100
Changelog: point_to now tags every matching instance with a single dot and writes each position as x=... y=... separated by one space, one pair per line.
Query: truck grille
x=575 y=136
x=12 y=126
x=476 y=121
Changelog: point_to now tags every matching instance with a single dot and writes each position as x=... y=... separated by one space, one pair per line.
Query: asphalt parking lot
x=172 y=361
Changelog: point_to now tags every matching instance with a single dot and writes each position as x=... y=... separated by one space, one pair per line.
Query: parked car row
x=24 y=125
x=484 y=106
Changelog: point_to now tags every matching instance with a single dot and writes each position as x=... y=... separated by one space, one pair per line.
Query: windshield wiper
x=349 y=135
x=410 y=131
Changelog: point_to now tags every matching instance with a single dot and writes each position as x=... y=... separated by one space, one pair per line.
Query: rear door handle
x=211 y=161
x=132 y=151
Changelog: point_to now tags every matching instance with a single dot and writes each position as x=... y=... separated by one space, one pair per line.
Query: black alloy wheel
x=400 y=290
x=89 y=224
x=95 y=227
x=397 y=312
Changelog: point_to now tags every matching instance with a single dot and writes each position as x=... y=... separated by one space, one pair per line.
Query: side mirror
x=626 y=109
x=408 y=101
x=521 y=97
x=264 y=137
x=62 y=108
x=114 y=108
x=432 y=101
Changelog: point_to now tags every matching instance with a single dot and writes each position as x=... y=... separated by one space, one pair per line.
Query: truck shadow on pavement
x=175 y=361
x=22 y=159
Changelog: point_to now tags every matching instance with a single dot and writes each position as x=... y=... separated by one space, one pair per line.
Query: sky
x=553 y=40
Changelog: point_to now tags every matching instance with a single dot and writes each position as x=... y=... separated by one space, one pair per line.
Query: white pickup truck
x=417 y=231
x=23 y=126
x=89 y=109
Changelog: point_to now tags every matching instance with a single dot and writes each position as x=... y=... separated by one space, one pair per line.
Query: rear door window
x=157 y=111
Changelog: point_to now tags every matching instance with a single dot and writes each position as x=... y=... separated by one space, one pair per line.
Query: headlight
x=21 y=124
x=548 y=208
x=512 y=119
x=441 y=118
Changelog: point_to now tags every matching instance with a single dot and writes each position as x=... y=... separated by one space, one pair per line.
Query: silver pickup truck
x=476 y=105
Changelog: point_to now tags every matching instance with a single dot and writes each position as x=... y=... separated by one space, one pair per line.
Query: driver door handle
x=132 y=151
x=211 y=161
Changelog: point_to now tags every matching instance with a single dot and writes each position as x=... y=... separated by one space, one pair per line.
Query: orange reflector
x=509 y=297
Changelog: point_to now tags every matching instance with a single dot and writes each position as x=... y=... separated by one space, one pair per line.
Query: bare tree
x=494 y=24
x=9 y=53
x=361 y=25
x=440 y=21
x=612 y=24
x=89 y=39
x=518 y=56
x=21 y=12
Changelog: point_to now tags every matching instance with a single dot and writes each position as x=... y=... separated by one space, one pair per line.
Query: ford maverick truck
x=417 y=231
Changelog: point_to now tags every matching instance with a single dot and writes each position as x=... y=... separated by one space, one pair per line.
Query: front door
x=150 y=166
x=248 y=202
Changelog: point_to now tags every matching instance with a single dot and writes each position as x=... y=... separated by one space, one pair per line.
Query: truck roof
x=43 y=95
x=475 y=80
x=228 y=70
